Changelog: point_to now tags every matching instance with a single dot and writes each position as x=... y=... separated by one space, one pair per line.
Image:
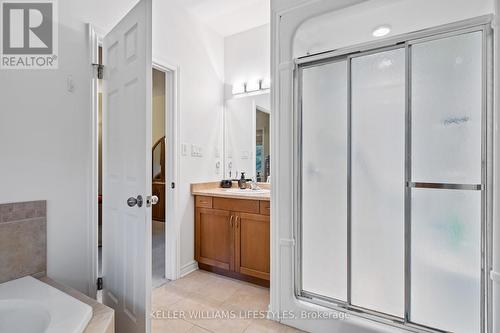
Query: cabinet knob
x=231 y=221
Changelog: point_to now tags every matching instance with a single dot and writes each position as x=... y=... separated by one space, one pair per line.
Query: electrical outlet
x=217 y=168
x=70 y=84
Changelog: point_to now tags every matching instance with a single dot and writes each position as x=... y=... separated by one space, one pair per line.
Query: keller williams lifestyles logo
x=29 y=36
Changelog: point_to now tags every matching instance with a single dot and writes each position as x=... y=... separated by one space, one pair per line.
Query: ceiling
x=229 y=17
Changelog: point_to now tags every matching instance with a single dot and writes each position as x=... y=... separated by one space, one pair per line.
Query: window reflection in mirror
x=262 y=151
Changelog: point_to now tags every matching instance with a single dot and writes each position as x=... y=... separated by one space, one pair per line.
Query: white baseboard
x=189 y=268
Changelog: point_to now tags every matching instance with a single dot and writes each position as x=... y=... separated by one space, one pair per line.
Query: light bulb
x=381 y=31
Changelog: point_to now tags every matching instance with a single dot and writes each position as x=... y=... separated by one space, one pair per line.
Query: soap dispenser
x=242 y=182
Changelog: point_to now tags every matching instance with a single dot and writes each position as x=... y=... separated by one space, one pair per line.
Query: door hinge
x=99 y=71
x=99 y=283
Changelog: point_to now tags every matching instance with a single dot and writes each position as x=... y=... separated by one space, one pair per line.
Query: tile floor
x=202 y=293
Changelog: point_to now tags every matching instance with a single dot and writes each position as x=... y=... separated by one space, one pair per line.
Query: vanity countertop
x=213 y=189
x=103 y=318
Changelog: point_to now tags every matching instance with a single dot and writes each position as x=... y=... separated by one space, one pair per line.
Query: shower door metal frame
x=482 y=24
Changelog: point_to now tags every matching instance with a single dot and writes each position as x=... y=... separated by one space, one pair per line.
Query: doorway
x=159 y=178
x=163 y=168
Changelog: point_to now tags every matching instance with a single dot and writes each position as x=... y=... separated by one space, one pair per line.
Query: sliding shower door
x=392 y=160
x=324 y=166
x=446 y=109
x=378 y=181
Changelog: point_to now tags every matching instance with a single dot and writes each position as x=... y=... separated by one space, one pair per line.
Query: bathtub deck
x=103 y=319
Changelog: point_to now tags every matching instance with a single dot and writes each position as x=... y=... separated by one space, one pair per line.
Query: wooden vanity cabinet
x=214 y=235
x=231 y=242
x=252 y=245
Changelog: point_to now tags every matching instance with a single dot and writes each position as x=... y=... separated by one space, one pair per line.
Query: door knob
x=131 y=202
x=151 y=200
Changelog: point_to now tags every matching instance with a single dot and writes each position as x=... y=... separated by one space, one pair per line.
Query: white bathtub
x=28 y=305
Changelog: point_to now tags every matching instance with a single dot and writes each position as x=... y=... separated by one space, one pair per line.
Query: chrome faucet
x=253 y=184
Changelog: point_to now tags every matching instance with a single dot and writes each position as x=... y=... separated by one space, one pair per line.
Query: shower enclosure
x=392 y=210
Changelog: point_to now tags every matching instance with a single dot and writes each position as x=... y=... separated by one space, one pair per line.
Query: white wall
x=285 y=5
x=247 y=57
x=180 y=40
x=45 y=147
x=354 y=24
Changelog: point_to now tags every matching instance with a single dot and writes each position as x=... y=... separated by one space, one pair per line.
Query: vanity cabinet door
x=252 y=255
x=214 y=238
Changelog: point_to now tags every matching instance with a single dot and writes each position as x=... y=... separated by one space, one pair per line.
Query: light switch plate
x=184 y=149
x=196 y=151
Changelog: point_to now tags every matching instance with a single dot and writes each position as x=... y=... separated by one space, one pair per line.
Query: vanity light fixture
x=239 y=88
x=381 y=31
x=254 y=86
x=265 y=84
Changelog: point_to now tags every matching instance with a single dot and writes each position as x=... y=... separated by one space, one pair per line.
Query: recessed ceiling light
x=381 y=31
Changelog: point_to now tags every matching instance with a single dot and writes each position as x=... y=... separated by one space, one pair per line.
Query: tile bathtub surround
x=23 y=239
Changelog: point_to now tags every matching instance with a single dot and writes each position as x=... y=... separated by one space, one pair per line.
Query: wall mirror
x=247 y=137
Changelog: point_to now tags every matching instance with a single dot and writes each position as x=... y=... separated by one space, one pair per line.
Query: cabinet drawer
x=205 y=202
x=265 y=207
x=236 y=205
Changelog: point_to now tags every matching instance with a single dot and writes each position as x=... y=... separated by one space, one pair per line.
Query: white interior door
x=127 y=58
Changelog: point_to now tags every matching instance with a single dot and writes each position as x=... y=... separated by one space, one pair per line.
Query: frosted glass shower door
x=446 y=109
x=324 y=180
x=378 y=181
x=446 y=197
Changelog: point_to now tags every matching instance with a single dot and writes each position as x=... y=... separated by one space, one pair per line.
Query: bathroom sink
x=23 y=316
x=246 y=191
